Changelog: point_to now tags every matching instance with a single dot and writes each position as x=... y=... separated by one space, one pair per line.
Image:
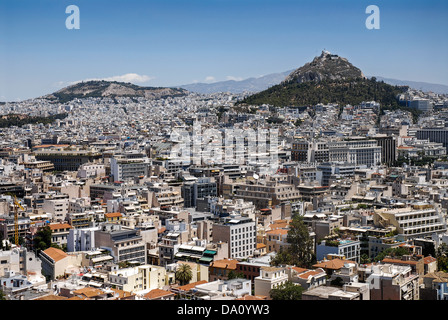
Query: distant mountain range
x=254 y=84
x=257 y=84
x=423 y=86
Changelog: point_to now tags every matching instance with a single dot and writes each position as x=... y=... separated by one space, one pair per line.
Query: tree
x=338 y=282
x=287 y=291
x=442 y=263
x=42 y=240
x=364 y=259
x=184 y=274
x=300 y=243
x=235 y=275
x=2 y=295
x=124 y=264
x=299 y=251
x=281 y=257
x=392 y=252
x=442 y=258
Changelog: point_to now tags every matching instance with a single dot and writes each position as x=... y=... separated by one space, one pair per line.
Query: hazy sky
x=175 y=42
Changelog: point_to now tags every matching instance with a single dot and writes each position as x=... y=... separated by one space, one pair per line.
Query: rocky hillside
x=327 y=66
x=112 y=89
x=327 y=79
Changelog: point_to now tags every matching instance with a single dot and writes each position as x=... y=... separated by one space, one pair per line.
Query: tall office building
x=309 y=151
x=434 y=135
x=123 y=168
x=357 y=151
x=239 y=232
x=421 y=104
x=388 y=146
x=201 y=188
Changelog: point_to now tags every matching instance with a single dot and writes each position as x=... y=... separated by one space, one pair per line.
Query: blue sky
x=175 y=42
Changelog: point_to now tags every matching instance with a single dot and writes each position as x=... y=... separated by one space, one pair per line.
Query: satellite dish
x=256 y=177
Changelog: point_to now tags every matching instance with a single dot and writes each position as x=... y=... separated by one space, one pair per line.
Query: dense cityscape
x=333 y=201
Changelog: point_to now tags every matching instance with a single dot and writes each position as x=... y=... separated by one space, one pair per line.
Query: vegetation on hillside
x=19 y=120
x=343 y=92
x=96 y=89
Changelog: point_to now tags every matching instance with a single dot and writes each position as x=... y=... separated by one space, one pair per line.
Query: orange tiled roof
x=309 y=273
x=224 y=264
x=298 y=270
x=279 y=224
x=157 y=293
x=122 y=293
x=427 y=260
x=334 y=264
x=57 y=226
x=190 y=286
x=399 y=261
x=88 y=292
x=112 y=214
x=55 y=254
x=277 y=231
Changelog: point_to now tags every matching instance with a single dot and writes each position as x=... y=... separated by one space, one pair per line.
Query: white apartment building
x=19 y=260
x=359 y=152
x=141 y=279
x=269 y=278
x=58 y=208
x=128 y=168
x=240 y=233
x=123 y=244
x=223 y=289
x=166 y=195
x=392 y=282
x=350 y=249
x=356 y=151
x=78 y=205
x=418 y=221
x=222 y=207
x=81 y=239
x=88 y=170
